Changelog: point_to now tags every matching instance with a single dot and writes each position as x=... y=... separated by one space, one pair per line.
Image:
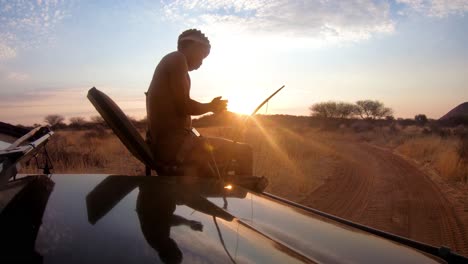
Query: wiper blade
x=13 y=155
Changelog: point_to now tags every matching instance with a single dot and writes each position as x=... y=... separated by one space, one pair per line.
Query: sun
x=241 y=104
x=245 y=101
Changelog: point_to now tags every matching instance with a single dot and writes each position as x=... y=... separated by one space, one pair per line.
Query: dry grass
x=295 y=158
x=90 y=152
x=443 y=152
x=291 y=158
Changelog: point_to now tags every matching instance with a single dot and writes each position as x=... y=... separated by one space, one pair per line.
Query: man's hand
x=217 y=105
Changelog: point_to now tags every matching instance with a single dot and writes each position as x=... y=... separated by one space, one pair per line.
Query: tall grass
x=295 y=158
x=443 y=150
x=294 y=163
x=89 y=152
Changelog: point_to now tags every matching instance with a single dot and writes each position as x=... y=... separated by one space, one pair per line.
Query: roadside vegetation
x=285 y=150
x=438 y=144
x=282 y=144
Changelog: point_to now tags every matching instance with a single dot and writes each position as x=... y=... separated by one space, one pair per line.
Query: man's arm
x=216 y=106
x=180 y=86
x=197 y=108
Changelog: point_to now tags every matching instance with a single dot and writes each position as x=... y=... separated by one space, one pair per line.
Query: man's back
x=167 y=94
x=169 y=106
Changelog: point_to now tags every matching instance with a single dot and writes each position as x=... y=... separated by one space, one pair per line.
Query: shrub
x=361 y=126
x=463 y=149
x=420 y=119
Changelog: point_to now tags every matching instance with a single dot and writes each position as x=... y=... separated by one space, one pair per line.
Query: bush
x=405 y=122
x=420 y=119
x=426 y=131
x=361 y=126
x=460 y=131
x=97 y=132
x=463 y=149
x=394 y=129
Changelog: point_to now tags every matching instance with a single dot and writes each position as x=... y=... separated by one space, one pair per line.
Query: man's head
x=195 y=46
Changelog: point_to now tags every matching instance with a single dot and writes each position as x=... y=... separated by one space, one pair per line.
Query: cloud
x=6 y=52
x=352 y=20
x=10 y=77
x=319 y=20
x=437 y=8
x=28 y=106
x=28 y=24
x=17 y=76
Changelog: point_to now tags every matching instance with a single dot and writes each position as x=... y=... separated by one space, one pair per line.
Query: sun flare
x=239 y=107
x=241 y=104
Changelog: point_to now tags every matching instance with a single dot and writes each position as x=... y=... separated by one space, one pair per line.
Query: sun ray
x=276 y=148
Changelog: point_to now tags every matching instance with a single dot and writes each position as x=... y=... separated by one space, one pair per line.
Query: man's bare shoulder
x=174 y=59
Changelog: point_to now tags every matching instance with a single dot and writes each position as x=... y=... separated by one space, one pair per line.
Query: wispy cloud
x=315 y=19
x=319 y=20
x=32 y=105
x=26 y=24
x=6 y=52
x=437 y=8
x=17 y=76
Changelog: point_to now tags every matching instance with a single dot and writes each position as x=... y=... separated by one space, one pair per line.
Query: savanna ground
x=404 y=180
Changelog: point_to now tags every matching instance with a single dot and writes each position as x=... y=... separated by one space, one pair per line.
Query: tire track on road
x=372 y=186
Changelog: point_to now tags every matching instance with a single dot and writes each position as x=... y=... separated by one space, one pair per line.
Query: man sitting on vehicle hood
x=169 y=110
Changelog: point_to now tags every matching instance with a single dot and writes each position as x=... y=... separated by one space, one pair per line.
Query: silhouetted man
x=156 y=204
x=169 y=110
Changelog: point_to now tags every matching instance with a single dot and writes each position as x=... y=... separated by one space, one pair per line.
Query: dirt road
x=372 y=186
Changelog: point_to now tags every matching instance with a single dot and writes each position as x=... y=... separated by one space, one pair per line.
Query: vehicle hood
x=120 y=219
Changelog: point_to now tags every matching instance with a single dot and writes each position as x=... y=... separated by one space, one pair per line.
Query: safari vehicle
x=89 y=218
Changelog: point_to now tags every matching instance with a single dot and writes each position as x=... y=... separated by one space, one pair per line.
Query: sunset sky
x=410 y=54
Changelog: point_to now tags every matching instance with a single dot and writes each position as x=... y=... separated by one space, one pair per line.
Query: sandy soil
x=375 y=187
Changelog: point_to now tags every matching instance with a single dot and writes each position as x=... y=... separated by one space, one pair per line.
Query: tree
x=97 y=120
x=372 y=109
x=54 y=121
x=420 y=119
x=324 y=109
x=77 y=121
x=345 y=110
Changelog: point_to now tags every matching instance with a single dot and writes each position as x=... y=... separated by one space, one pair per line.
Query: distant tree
x=77 y=121
x=372 y=109
x=55 y=121
x=420 y=119
x=318 y=110
x=324 y=109
x=345 y=110
x=97 y=120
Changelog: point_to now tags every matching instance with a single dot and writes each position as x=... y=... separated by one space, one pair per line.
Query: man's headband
x=196 y=39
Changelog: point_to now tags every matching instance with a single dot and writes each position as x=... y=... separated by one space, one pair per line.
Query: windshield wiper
x=22 y=149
